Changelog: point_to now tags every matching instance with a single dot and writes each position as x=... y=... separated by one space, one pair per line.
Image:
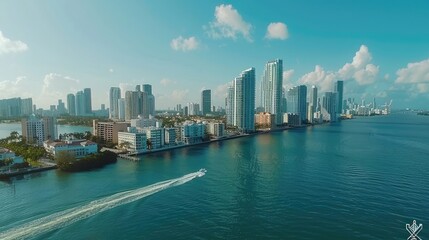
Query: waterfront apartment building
x=87 y=101
x=71 y=104
x=155 y=136
x=141 y=122
x=37 y=130
x=272 y=86
x=79 y=148
x=292 y=119
x=170 y=136
x=16 y=107
x=297 y=101
x=134 y=141
x=192 y=132
x=329 y=105
x=206 y=101
x=147 y=88
x=108 y=131
x=26 y=106
x=312 y=105
x=121 y=109
x=244 y=101
x=338 y=89
x=216 y=129
x=114 y=96
x=266 y=120
x=229 y=106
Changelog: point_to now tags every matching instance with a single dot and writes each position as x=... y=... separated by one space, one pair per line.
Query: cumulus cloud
x=361 y=69
x=228 y=24
x=417 y=73
x=320 y=78
x=180 y=95
x=55 y=86
x=8 y=46
x=359 y=73
x=184 y=44
x=277 y=30
x=14 y=88
x=220 y=91
x=165 y=82
x=287 y=78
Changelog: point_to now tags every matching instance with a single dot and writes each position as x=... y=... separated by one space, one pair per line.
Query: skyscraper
x=297 y=101
x=131 y=105
x=121 y=109
x=272 y=86
x=339 y=88
x=36 y=130
x=80 y=104
x=206 y=101
x=244 y=101
x=312 y=104
x=114 y=96
x=26 y=106
x=71 y=104
x=329 y=103
x=88 y=101
x=147 y=88
x=229 y=106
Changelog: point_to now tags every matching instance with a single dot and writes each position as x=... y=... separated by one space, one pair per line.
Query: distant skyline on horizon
x=51 y=48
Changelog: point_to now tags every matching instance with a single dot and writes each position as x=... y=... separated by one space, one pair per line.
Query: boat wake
x=69 y=216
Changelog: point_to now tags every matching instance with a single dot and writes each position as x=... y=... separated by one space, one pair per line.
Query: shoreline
x=136 y=156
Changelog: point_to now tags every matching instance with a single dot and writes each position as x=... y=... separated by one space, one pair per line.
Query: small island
x=67 y=162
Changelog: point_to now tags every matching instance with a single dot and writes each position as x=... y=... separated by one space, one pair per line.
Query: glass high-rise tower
x=244 y=101
x=272 y=86
x=114 y=96
x=206 y=101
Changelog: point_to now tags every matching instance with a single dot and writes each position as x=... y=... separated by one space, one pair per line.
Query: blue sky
x=51 y=48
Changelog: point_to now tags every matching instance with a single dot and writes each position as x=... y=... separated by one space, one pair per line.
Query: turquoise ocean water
x=358 y=179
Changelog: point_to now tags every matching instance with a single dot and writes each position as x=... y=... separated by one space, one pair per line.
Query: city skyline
x=54 y=48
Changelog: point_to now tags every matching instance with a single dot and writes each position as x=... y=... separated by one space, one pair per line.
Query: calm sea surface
x=358 y=179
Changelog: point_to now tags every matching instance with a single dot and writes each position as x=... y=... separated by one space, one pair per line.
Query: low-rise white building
x=193 y=132
x=216 y=129
x=170 y=136
x=141 y=122
x=155 y=136
x=133 y=141
x=80 y=148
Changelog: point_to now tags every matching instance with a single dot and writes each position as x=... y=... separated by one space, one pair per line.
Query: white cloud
x=277 y=30
x=184 y=44
x=14 y=88
x=288 y=74
x=220 y=91
x=179 y=96
x=359 y=74
x=8 y=46
x=320 y=78
x=417 y=72
x=287 y=78
x=386 y=76
x=111 y=70
x=228 y=24
x=361 y=69
x=56 y=86
x=165 y=82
